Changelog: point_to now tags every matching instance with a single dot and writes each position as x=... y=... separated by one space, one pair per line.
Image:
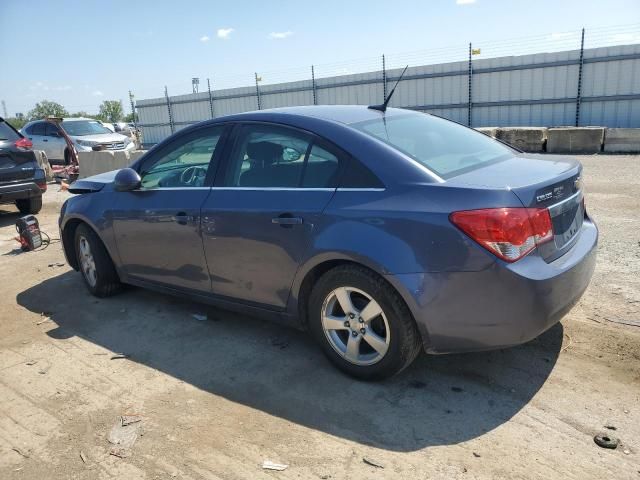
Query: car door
x=54 y=141
x=157 y=227
x=35 y=133
x=259 y=218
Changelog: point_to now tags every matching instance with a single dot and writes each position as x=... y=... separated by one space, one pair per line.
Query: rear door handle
x=286 y=220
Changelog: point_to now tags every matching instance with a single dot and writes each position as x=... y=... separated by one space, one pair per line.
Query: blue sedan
x=383 y=233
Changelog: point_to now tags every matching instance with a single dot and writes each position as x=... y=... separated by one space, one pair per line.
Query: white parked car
x=87 y=134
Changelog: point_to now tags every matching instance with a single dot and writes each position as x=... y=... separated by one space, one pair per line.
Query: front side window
x=444 y=147
x=37 y=128
x=184 y=164
x=277 y=157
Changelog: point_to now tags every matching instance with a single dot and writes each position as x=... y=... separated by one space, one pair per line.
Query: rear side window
x=321 y=170
x=7 y=133
x=276 y=157
x=444 y=147
x=51 y=130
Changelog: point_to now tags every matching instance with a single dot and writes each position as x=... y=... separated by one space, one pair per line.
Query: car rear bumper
x=19 y=191
x=502 y=306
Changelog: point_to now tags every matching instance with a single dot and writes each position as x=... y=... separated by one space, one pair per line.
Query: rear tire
x=95 y=264
x=377 y=338
x=29 y=205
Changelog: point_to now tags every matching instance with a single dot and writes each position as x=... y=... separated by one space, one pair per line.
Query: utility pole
x=4 y=109
x=133 y=111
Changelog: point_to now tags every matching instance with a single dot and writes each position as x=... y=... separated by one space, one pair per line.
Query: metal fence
x=597 y=83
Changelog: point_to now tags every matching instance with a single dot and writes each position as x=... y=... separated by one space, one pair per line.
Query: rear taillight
x=509 y=233
x=23 y=144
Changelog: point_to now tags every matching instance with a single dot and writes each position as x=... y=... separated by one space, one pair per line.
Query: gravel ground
x=216 y=398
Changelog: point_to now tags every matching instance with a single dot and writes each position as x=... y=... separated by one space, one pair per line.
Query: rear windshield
x=444 y=147
x=7 y=133
x=78 y=128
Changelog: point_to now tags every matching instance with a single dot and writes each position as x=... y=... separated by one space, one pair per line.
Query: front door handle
x=286 y=220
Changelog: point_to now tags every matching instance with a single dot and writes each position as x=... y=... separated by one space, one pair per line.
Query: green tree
x=111 y=111
x=17 y=123
x=47 y=108
x=81 y=114
x=129 y=118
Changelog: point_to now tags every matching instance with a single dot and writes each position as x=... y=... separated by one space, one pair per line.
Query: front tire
x=98 y=271
x=29 y=205
x=362 y=324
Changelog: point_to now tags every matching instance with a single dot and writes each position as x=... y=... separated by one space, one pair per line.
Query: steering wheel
x=191 y=175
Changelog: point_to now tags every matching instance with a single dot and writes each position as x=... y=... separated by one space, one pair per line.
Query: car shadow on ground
x=439 y=400
x=7 y=216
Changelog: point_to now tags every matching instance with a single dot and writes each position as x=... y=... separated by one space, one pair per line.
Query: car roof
x=346 y=114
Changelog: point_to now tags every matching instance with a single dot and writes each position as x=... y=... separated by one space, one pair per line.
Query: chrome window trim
x=171 y=188
x=285 y=189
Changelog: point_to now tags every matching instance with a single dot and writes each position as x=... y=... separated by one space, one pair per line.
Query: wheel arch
x=309 y=274
x=67 y=235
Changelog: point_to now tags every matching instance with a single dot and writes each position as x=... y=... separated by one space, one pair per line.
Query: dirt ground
x=218 y=397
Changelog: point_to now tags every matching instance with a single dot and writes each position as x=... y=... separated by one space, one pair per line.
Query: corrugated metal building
x=527 y=90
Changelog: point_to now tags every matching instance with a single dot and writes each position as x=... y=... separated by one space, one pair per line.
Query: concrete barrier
x=136 y=154
x=575 y=139
x=622 y=140
x=93 y=163
x=528 y=139
x=488 y=131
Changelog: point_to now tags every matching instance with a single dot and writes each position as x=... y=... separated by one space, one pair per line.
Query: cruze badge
x=544 y=196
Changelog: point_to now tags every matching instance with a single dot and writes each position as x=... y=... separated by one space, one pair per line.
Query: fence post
x=166 y=96
x=210 y=98
x=258 y=92
x=384 y=80
x=470 y=79
x=579 y=95
x=313 y=85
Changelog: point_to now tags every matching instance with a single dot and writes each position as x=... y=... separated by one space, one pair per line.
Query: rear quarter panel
x=402 y=229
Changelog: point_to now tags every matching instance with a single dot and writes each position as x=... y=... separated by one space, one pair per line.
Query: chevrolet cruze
x=383 y=233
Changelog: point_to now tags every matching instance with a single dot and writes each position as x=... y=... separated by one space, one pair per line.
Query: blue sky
x=80 y=53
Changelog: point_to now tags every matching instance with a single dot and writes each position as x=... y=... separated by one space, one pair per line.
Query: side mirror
x=126 y=180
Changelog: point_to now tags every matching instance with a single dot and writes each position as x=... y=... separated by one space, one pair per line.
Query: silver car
x=86 y=133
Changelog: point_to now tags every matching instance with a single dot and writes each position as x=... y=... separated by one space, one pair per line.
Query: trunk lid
x=539 y=182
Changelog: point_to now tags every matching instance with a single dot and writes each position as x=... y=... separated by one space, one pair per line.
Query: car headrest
x=265 y=153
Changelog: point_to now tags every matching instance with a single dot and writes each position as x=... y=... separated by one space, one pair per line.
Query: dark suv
x=22 y=181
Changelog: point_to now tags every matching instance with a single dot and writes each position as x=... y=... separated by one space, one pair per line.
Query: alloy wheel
x=355 y=325
x=87 y=263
